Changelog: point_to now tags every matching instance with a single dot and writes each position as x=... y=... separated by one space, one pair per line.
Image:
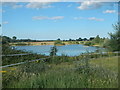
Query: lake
x=70 y=50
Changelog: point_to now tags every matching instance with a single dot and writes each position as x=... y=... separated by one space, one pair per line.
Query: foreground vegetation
x=84 y=71
x=64 y=72
x=90 y=70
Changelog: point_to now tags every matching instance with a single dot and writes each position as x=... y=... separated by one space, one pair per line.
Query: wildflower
x=3 y=71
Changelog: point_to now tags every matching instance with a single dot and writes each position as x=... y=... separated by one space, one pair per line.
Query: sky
x=53 y=20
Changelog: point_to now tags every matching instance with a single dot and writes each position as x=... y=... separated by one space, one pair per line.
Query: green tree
x=53 y=51
x=58 y=39
x=79 y=39
x=96 y=39
x=114 y=42
x=6 y=40
x=91 y=38
x=14 y=38
x=105 y=43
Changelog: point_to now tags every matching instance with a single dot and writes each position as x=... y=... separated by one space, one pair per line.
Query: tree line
x=6 y=39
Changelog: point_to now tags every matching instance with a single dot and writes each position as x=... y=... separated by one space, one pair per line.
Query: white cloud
x=109 y=11
x=57 y=18
x=47 y=18
x=95 y=19
x=78 y=18
x=44 y=0
x=38 y=5
x=39 y=17
x=90 y=18
x=5 y=22
x=12 y=4
x=86 y=5
x=31 y=4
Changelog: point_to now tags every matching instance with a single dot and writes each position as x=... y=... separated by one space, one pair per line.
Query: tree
x=85 y=39
x=58 y=39
x=91 y=38
x=6 y=40
x=14 y=38
x=105 y=43
x=79 y=39
x=114 y=42
x=53 y=51
x=96 y=39
x=70 y=39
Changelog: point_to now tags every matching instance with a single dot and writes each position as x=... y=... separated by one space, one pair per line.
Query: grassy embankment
x=94 y=71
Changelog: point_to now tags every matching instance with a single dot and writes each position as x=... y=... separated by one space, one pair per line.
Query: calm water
x=70 y=50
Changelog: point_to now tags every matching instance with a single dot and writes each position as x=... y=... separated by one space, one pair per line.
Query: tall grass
x=84 y=71
x=78 y=74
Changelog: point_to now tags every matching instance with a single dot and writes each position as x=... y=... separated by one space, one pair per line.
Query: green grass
x=63 y=75
x=110 y=63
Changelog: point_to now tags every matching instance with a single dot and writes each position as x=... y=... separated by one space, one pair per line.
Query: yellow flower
x=3 y=71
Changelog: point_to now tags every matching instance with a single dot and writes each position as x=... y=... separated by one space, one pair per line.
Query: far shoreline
x=49 y=43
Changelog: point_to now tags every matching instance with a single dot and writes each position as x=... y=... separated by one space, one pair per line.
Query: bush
x=59 y=42
x=88 y=43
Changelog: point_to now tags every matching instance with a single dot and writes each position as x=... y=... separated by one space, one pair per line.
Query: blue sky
x=46 y=21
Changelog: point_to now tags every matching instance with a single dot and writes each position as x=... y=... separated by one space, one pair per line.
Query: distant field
x=33 y=43
x=46 y=43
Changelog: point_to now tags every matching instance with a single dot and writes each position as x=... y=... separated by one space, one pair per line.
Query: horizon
x=52 y=39
x=64 y=20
